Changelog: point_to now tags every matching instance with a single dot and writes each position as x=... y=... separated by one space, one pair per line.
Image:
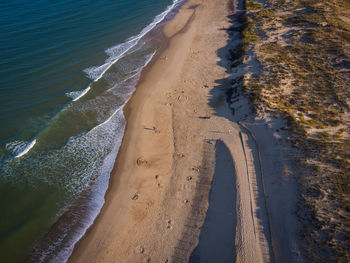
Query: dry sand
x=182 y=152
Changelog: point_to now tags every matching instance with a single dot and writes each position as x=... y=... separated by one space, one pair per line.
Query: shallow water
x=67 y=70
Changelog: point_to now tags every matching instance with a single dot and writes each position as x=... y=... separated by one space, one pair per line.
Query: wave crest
x=118 y=51
x=20 y=148
x=75 y=95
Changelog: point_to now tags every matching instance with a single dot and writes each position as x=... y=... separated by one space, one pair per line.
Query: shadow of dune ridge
x=226 y=98
x=217 y=236
x=229 y=101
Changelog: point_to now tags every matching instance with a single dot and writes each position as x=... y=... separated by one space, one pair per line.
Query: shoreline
x=71 y=226
x=178 y=124
x=115 y=180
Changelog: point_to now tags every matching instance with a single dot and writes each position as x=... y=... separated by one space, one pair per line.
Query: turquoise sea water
x=66 y=70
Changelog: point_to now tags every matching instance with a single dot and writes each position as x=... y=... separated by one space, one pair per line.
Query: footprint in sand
x=169 y=224
x=182 y=98
x=141 y=161
x=158 y=183
x=135 y=197
x=155 y=130
x=180 y=155
x=195 y=168
x=140 y=249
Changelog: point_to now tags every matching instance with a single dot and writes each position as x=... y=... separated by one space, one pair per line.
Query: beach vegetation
x=251 y=5
x=303 y=48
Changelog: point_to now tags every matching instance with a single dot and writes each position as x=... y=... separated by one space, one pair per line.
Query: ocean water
x=67 y=68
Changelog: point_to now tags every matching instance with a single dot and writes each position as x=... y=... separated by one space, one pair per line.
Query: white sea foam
x=20 y=148
x=134 y=74
x=149 y=58
x=75 y=95
x=96 y=141
x=110 y=132
x=117 y=52
x=98 y=190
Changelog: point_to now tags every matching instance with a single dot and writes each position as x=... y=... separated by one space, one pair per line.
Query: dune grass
x=303 y=48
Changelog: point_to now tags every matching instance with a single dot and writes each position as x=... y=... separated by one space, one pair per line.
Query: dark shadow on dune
x=217 y=236
x=226 y=98
x=228 y=90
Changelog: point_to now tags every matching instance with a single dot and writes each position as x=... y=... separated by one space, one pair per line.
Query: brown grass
x=304 y=52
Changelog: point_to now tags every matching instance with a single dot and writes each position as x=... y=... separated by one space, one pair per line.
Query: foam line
x=26 y=149
x=117 y=52
x=122 y=106
x=97 y=73
x=82 y=94
x=75 y=95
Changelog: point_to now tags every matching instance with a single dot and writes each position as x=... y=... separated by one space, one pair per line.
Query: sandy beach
x=192 y=181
